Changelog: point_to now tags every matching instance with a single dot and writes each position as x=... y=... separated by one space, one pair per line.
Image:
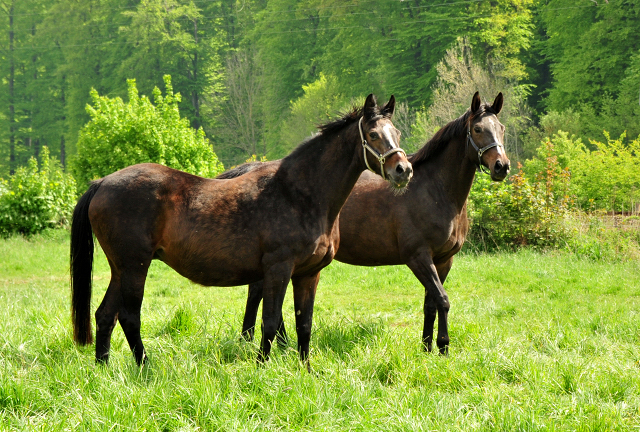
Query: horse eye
x=477 y=129
x=373 y=135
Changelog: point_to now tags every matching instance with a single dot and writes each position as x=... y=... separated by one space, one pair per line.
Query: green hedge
x=36 y=197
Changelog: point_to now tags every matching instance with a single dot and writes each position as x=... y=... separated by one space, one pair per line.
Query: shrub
x=36 y=198
x=121 y=134
x=607 y=178
x=520 y=211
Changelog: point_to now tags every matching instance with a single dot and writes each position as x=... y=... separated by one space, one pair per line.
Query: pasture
x=538 y=342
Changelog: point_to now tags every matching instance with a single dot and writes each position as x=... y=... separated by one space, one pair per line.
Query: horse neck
x=452 y=170
x=327 y=170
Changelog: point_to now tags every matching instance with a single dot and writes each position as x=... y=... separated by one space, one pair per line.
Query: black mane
x=448 y=132
x=325 y=130
x=238 y=170
x=335 y=126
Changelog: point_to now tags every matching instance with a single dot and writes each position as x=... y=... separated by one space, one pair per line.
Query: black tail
x=81 y=266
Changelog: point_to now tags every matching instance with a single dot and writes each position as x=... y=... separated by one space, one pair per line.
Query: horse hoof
x=102 y=360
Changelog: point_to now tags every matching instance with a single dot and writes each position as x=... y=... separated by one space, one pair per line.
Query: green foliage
x=36 y=198
x=521 y=211
x=459 y=77
x=320 y=103
x=239 y=65
x=602 y=237
x=122 y=134
x=591 y=52
x=606 y=178
x=544 y=203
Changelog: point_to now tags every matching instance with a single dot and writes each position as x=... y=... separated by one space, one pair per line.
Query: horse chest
x=322 y=253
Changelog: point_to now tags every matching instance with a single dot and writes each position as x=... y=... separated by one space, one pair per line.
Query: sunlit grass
x=538 y=342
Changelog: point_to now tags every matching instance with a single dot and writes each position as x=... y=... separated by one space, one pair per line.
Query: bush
x=121 y=134
x=516 y=213
x=523 y=210
x=539 y=206
x=607 y=178
x=36 y=198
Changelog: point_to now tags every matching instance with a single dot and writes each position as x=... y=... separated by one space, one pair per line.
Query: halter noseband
x=381 y=157
x=481 y=150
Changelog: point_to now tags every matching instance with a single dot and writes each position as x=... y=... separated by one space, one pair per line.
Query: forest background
x=258 y=75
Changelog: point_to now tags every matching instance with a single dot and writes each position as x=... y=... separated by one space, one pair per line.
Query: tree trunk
x=63 y=153
x=12 y=109
x=195 y=98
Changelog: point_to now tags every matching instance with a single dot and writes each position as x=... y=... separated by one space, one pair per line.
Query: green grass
x=538 y=342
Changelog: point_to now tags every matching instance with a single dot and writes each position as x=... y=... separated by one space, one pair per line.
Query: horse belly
x=220 y=262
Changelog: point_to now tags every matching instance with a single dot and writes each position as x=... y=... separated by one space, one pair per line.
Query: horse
x=276 y=223
x=426 y=226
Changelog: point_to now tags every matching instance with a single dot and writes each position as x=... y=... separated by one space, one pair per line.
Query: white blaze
x=386 y=130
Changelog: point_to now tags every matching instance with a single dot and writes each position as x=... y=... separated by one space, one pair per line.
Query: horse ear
x=370 y=106
x=388 y=109
x=475 y=102
x=497 y=104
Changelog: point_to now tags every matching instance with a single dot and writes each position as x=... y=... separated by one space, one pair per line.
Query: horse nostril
x=399 y=169
x=498 y=166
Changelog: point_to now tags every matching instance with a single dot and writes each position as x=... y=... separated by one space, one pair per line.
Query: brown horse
x=275 y=223
x=426 y=226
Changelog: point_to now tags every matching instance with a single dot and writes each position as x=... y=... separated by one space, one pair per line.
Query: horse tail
x=81 y=266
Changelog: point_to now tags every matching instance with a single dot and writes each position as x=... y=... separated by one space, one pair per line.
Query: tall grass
x=538 y=342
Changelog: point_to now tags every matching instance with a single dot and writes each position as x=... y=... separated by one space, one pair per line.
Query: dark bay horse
x=276 y=223
x=426 y=226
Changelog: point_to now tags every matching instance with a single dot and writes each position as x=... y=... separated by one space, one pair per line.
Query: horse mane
x=335 y=126
x=325 y=130
x=446 y=133
x=238 y=170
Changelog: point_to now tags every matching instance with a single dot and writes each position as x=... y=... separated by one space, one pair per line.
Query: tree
x=459 y=77
x=120 y=134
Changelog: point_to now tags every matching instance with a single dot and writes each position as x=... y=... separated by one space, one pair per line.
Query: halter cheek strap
x=481 y=151
x=381 y=157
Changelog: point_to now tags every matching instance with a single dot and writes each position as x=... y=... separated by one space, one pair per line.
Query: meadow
x=539 y=341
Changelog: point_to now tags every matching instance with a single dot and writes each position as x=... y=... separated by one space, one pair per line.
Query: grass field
x=538 y=342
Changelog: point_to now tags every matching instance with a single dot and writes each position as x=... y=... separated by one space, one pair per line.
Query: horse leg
x=443 y=320
x=106 y=318
x=430 y=312
x=251 y=312
x=132 y=292
x=423 y=268
x=304 y=295
x=274 y=288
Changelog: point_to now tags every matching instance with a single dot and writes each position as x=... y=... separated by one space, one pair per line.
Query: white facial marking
x=494 y=134
x=387 y=132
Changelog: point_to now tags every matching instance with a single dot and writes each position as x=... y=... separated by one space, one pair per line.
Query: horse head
x=485 y=138
x=381 y=143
